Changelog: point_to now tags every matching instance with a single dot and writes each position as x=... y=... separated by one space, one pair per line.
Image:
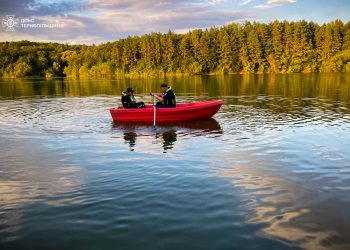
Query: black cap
x=130 y=90
x=164 y=85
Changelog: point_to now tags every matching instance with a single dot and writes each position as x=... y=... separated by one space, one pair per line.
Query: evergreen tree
x=235 y=48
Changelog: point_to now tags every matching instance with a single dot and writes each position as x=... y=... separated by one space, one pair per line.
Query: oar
x=154 y=111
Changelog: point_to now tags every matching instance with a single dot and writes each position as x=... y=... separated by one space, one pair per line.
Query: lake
x=271 y=170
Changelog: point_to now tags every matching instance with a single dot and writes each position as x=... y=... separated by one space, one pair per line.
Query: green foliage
x=21 y=69
x=282 y=47
x=24 y=58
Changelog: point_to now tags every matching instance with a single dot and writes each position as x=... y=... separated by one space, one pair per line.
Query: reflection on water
x=270 y=171
x=166 y=132
x=295 y=88
x=130 y=138
x=26 y=178
x=282 y=207
x=169 y=138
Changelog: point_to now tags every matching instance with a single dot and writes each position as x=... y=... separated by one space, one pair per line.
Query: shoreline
x=164 y=76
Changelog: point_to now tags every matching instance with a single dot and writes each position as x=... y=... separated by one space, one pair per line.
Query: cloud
x=171 y=14
x=274 y=3
x=14 y=6
x=106 y=20
x=24 y=8
x=73 y=30
x=244 y=2
x=167 y=19
x=217 y=1
x=133 y=17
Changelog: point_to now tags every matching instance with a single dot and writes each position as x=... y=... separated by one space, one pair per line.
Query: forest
x=275 y=47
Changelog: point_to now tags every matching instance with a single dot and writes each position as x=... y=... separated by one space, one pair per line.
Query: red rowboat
x=182 y=112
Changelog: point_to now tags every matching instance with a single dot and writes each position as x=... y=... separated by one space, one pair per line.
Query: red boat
x=182 y=112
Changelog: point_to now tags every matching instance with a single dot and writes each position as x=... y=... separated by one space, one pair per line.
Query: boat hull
x=182 y=112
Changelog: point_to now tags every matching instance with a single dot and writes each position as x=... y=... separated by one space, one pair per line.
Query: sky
x=100 y=21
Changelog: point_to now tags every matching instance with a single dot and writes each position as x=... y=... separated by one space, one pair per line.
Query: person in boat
x=166 y=99
x=129 y=100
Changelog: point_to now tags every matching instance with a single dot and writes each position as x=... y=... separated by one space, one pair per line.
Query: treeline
x=24 y=58
x=281 y=47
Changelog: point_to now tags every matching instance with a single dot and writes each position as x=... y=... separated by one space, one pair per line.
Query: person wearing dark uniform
x=166 y=99
x=129 y=100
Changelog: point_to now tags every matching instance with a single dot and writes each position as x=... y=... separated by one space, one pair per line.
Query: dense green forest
x=281 y=47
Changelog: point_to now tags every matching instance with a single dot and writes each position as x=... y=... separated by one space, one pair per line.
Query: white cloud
x=161 y=17
x=91 y=21
x=216 y=1
x=274 y=3
x=244 y=2
x=182 y=31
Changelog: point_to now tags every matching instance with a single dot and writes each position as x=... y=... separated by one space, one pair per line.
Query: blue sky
x=98 y=21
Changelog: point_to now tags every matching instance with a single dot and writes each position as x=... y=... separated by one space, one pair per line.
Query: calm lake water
x=271 y=170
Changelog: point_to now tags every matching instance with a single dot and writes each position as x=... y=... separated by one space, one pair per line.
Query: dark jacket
x=169 y=98
x=128 y=101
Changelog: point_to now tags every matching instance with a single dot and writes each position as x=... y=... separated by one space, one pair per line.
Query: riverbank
x=167 y=76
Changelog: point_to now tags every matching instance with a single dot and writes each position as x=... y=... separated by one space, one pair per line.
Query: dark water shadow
x=169 y=133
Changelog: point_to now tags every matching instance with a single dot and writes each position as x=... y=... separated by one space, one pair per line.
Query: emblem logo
x=10 y=23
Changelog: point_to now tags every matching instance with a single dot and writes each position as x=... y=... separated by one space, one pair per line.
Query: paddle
x=154 y=111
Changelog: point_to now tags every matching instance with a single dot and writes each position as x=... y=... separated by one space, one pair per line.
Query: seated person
x=166 y=99
x=129 y=100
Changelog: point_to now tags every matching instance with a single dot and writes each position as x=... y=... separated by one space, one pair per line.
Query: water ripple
x=270 y=171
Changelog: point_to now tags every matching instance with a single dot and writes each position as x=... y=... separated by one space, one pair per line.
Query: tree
x=234 y=48
x=22 y=69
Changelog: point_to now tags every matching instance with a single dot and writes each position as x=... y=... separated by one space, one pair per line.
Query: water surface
x=270 y=171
